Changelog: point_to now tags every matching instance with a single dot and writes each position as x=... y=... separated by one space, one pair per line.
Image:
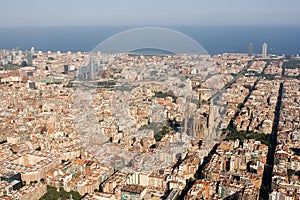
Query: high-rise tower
x=91 y=69
x=264 y=50
x=250 y=49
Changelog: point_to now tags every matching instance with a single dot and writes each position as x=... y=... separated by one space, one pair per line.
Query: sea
x=215 y=39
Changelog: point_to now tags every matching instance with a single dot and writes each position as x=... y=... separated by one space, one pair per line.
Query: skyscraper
x=250 y=49
x=264 y=50
x=29 y=59
x=91 y=69
x=32 y=50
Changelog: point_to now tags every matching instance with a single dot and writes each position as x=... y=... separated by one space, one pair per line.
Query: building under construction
x=199 y=117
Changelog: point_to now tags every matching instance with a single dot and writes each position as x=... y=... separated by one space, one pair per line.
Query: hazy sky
x=151 y=12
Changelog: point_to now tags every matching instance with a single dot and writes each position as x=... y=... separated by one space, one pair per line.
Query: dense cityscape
x=79 y=125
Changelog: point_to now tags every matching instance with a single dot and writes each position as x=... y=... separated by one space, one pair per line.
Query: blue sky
x=16 y=13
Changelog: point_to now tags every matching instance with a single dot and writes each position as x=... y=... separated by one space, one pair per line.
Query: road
x=239 y=74
x=268 y=170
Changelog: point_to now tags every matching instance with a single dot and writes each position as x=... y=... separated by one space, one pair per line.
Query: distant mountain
x=150 y=51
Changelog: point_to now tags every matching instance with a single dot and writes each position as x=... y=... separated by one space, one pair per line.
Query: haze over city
x=150 y=100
